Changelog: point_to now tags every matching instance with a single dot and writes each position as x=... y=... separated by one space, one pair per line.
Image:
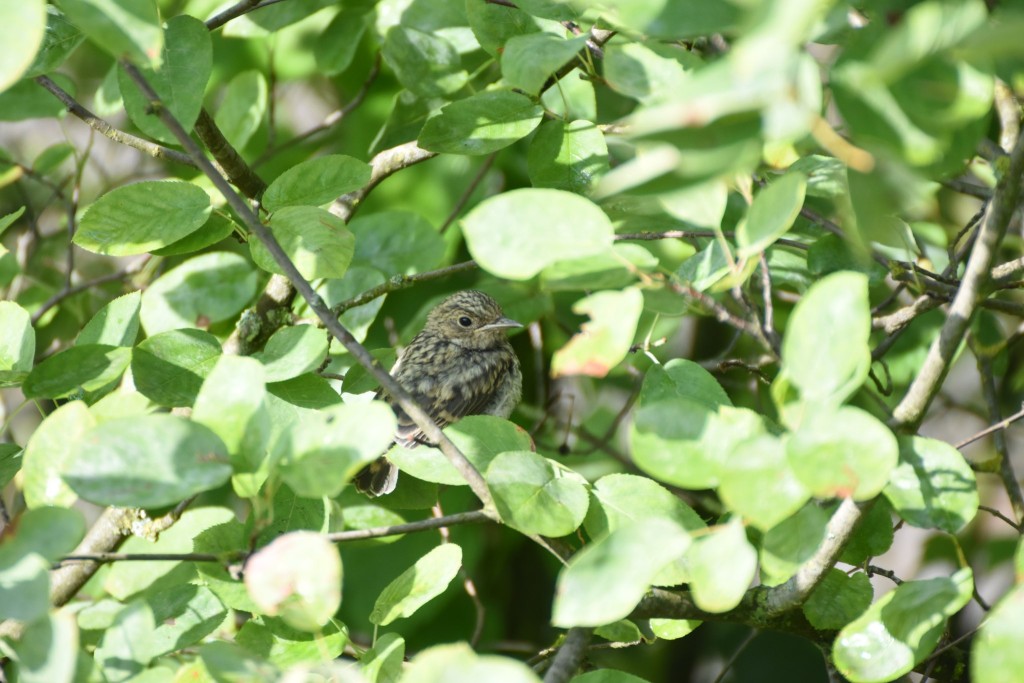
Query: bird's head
x=471 y=319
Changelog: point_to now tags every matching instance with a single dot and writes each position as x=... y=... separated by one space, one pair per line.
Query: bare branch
x=402 y=282
x=117 y=135
x=383 y=164
x=569 y=656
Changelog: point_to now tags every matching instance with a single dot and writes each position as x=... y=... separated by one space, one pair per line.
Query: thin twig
x=401 y=282
x=468 y=192
x=237 y=10
x=125 y=272
x=330 y=120
x=887 y=573
x=316 y=304
x=736 y=655
x=996 y=513
x=467 y=582
x=383 y=165
x=697 y=234
x=988 y=389
x=115 y=134
x=1002 y=424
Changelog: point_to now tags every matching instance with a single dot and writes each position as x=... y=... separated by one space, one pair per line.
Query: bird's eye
x=465 y=321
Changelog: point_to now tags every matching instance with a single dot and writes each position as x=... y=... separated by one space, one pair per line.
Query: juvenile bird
x=460 y=364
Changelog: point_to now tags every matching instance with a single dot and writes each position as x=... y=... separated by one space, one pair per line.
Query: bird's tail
x=379 y=478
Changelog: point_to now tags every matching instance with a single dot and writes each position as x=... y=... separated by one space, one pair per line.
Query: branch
x=237 y=10
x=474 y=517
x=99 y=125
x=231 y=162
x=128 y=271
x=795 y=592
x=569 y=656
x=694 y=234
x=316 y=304
x=383 y=165
x=1006 y=473
x=401 y=282
x=933 y=371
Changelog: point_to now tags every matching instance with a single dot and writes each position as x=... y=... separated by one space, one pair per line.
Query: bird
x=460 y=364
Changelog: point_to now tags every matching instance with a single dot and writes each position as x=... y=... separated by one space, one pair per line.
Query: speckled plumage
x=460 y=364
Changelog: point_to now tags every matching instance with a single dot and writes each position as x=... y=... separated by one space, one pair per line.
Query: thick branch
x=316 y=304
x=231 y=162
x=926 y=385
x=569 y=656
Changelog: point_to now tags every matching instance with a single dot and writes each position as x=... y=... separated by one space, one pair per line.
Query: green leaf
x=826 y=176
x=24 y=583
x=231 y=403
x=179 y=81
x=515 y=235
x=59 y=41
x=417 y=585
x=933 y=486
x=90 y=367
x=242 y=109
x=771 y=214
x=622 y=499
x=426 y=64
x=843 y=453
x=607 y=676
x=494 y=24
x=672 y=18
x=614 y=269
x=316 y=241
x=757 y=482
x=397 y=242
x=47 y=452
x=722 y=565
x=791 y=543
x=22 y=26
x=529 y=60
x=604 y=341
x=296 y=576
x=212 y=232
x=137 y=218
x=338 y=440
x=123 y=650
x=120 y=27
x=226 y=661
x=148 y=462
x=481 y=123
x=567 y=156
x=116 y=324
x=293 y=351
x=48 y=650
x=336 y=46
x=458 y=662
x=8 y=220
x=666 y=439
x=383 y=663
x=649 y=73
x=17 y=343
x=682 y=378
x=26 y=100
x=825 y=351
x=169 y=368
x=706 y=268
x=872 y=537
x=900 y=629
x=202 y=291
x=605 y=580
x=839 y=599
x=184 y=615
x=287 y=647
x=535 y=495
x=50 y=531
x=996 y=654
x=316 y=181
x=11 y=459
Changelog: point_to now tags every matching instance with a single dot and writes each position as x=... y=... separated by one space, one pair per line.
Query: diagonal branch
x=315 y=302
x=926 y=385
x=115 y=134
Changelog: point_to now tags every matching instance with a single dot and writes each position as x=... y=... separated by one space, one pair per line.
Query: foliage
x=811 y=200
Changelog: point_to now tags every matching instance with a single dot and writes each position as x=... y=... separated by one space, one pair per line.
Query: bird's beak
x=501 y=323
